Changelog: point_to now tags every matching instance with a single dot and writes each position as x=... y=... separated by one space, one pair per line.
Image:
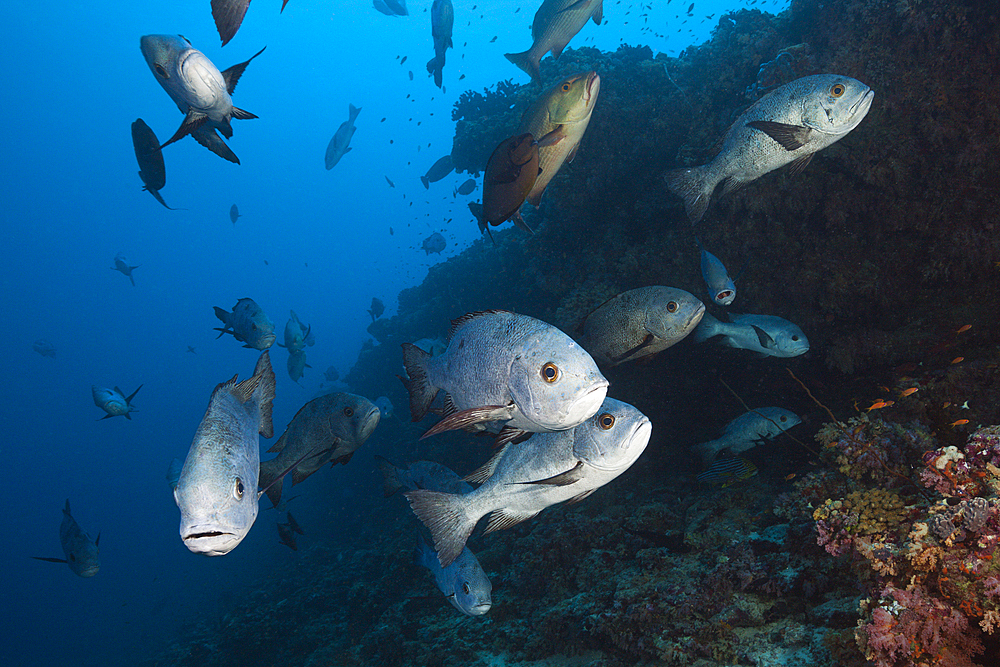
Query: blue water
x=310 y=240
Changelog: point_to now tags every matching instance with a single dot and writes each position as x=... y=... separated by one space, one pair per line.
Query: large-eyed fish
x=442 y=18
x=114 y=401
x=525 y=478
x=788 y=125
x=769 y=335
x=248 y=323
x=340 y=143
x=82 y=554
x=747 y=431
x=216 y=491
x=463 y=582
x=199 y=89
x=556 y=22
x=150 y=158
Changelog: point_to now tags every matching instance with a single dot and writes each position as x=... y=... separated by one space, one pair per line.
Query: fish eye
x=837 y=90
x=348 y=412
x=550 y=372
x=566 y=87
x=606 y=421
x=253 y=326
x=783 y=418
x=160 y=71
x=795 y=337
x=672 y=307
x=238 y=489
x=465 y=588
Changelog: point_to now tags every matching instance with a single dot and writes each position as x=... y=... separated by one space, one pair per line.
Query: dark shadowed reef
x=880 y=250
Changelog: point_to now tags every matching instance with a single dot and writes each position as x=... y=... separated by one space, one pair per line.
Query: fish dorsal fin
x=484 y=472
x=233 y=74
x=583 y=322
x=506 y=517
x=132 y=395
x=791 y=137
x=279 y=445
x=468 y=317
x=765 y=339
x=228 y=15
x=571 y=476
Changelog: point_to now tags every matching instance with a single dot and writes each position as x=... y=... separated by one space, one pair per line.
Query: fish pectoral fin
x=646 y=342
x=800 y=163
x=106 y=417
x=464 y=418
x=50 y=560
x=505 y=518
x=572 y=154
x=598 y=14
x=508 y=435
x=571 y=476
x=520 y=223
x=243 y=114
x=207 y=137
x=765 y=339
x=192 y=121
x=233 y=74
x=791 y=137
x=552 y=138
x=577 y=498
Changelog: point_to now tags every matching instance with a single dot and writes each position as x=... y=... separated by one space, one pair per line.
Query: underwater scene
x=476 y=333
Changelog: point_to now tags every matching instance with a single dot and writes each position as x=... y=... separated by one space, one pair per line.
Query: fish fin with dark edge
x=520 y=223
x=131 y=278
x=509 y=434
x=572 y=154
x=732 y=184
x=799 y=164
x=571 y=476
x=132 y=395
x=390 y=477
x=228 y=15
x=106 y=417
x=580 y=496
x=646 y=342
x=505 y=518
x=342 y=460
x=97 y=542
x=283 y=3
x=156 y=194
x=268 y=479
x=128 y=416
x=485 y=471
x=207 y=137
x=242 y=114
x=260 y=386
x=51 y=560
x=598 y=14
x=464 y=418
x=552 y=138
x=445 y=516
x=765 y=339
x=422 y=393
x=232 y=75
x=791 y=137
x=694 y=185
x=192 y=121
x=527 y=63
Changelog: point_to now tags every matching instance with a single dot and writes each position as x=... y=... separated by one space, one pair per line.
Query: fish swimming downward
x=721 y=287
x=216 y=491
x=340 y=143
x=297 y=336
x=788 y=125
x=150 y=158
x=114 y=401
x=327 y=429
x=556 y=23
x=122 y=266
x=747 y=431
x=558 y=119
x=296 y=364
x=769 y=335
x=442 y=18
x=391 y=7
x=82 y=554
x=519 y=372
x=639 y=323
x=248 y=323
x=525 y=478
x=200 y=90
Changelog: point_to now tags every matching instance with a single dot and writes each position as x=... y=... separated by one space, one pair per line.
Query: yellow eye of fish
x=837 y=90
x=606 y=421
x=465 y=588
x=348 y=412
x=566 y=87
x=238 y=489
x=672 y=307
x=550 y=372
x=159 y=70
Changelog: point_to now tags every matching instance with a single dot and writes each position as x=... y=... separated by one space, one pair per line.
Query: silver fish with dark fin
x=114 y=401
x=248 y=324
x=747 y=431
x=82 y=554
x=340 y=143
x=556 y=23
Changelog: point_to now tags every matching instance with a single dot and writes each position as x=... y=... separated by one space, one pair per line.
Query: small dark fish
x=391 y=184
x=293 y=524
x=438 y=170
x=494 y=39
x=234 y=213
x=377 y=306
x=403 y=60
x=466 y=188
x=411 y=75
x=191 y=350
x=286 y=536
x=150 y=159
x=391 y=232
x=434 y=243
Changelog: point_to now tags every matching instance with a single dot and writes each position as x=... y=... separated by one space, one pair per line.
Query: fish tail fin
x=222 y=315
x=352 y=112
x=695 y=186
x=527 y=62
x=130 y=277
x=444 y=516
x=707 y=451
x=426 y=181
x=421 y=391
x=390 y=479
x=708 y=327
x=435 y=66
x=269 y=471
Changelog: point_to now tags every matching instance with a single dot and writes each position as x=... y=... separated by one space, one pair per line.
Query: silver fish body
x=721 y=287
x=248 y=324
x=769 y=335
x=463 y=582
x=556 y=23
x=340 y=143
x=525 y=478
x=509 y=368
x=442 y=20
x=747 y=431
x=216 y=491
x=788 y=125
x=639 y=323
x=122 y=266
x=83 y=555
x=327 y=429
x=114 y=401
x=420 y=475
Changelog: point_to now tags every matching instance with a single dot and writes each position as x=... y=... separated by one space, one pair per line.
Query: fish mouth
x=699 y=313
x=480 y=609
x=89 y=572
x=211 y=542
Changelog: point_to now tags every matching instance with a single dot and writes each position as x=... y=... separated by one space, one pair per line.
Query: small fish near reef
x=331 y=374
x=466 y=188
x=377 y=308
x=434 y=243
x=248 y=324
x=200 y=90
x=340 y=143
x=721 y=287
x=768 y=335
x=385 y=407
x=216 y=491
x=728 y=471
x=228 y=15
x=150 y=158
x=122 y=266
x=639 y=323
x=438 y=170
x=788 y=125
x=523 y=374
x=510 y=174
x=234 y=213
x=327 y=429
x=747 y=431
x=463 y=582
x=44 y=348
x=114 y=401
x=556 y=23
x=442 y=19
x=82 y=554
x=558 y=119
x=286 y=536
x=525 y=478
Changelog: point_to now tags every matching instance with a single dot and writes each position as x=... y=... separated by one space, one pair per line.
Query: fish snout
x=209 y=540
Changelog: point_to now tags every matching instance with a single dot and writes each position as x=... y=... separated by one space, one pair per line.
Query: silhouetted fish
x=150 y=159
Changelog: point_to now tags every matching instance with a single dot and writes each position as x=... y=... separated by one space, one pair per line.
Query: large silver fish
x=228 y=15
x=114 y=401
x=463 y=581
x=328 y=429
x=507 y=368
x=122 y=266
x=747 y=431
x=340 y=143
x=639 y=323
x=442 y=18
x=769 y=335
x=216 y=491
x=150 y=158
x=248 y=323
x=788 y=125
x=556 y=22
x=199 y=89
x=525 y=478
x=297 y=336
x=82 y=554
x=558 y=119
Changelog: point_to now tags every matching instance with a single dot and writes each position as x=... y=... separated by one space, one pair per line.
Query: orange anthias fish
x=957 y=360
x=963 y=328
x=959 y=422
x=907 y=392
x=878 y=405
